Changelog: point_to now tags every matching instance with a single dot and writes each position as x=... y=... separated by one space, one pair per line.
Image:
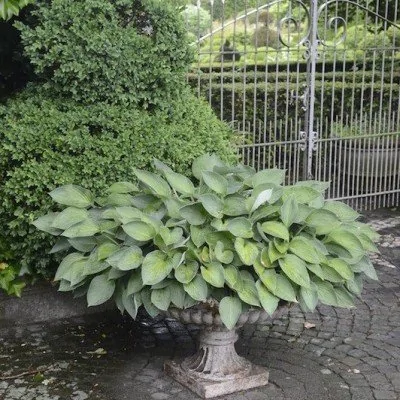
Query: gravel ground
x=339 y=355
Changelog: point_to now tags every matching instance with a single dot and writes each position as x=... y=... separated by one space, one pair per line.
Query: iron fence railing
x=294 y=77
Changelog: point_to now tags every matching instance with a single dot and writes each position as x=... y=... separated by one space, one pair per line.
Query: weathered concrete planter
x=216 y=369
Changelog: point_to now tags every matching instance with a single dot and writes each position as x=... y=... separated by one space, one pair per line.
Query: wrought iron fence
x=310 y=86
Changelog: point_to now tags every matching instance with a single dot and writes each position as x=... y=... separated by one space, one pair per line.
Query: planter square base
x=207 y=389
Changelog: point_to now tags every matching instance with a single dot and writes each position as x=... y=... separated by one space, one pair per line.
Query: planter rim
x=204 y=315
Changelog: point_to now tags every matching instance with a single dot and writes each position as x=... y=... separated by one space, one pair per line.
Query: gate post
x=311 y=54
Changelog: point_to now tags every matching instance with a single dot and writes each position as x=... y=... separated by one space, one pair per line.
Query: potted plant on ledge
x=230 y=246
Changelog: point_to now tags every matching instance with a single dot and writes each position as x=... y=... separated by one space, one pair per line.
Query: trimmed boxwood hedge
x=109 y=94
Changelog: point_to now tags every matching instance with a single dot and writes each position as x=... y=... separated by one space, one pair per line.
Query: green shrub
x=262 y=17
x=197 y=20
x=359 y=37
x=266 y=37
x=231 y=237
x=122 y=52
x=46 y=143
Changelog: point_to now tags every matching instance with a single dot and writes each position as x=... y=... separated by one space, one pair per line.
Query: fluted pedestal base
x=216 y=369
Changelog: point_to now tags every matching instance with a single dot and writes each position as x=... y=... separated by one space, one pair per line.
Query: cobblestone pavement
x=349 y=354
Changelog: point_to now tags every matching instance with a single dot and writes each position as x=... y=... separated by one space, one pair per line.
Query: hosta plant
x=231 y=238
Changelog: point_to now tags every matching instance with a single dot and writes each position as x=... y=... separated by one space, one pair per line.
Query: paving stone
x=385 y=395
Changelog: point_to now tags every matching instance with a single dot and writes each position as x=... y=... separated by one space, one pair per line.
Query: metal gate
x=309 y=86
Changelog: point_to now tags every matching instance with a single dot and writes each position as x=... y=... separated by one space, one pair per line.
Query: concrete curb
x=42 y=303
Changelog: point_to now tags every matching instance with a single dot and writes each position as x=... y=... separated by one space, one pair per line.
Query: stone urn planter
x=216 y=369
x=230 y=247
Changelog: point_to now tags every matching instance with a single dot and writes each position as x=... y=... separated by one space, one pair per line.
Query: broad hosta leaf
x=331 y=275
x=151 y=309
x=289 y=211
x=162 y=167
x=118 y=199
x=230 y=309
x=61 y=245
x=365 y=265
x=317 y=185
x=140 y=230
x=45 y=223
x=197 y=288
x=355 y=285
x=323 y=221
x=72 y=195
x=68 y=217
x=82 y=229
x=347 y=240
x=273 y=253
x=222 y=255
x=247 y=251
x=199 y=235
x=225 y=237
x=215 y=182
x=254 y=202
x=84 y=244
x=304 y=248
x=185 y=272
x=180 y=183
x=364 y=238
x=295 y=269
x=248 y=293
x=161 y=298
x=309 y=296
x=274 y=176
x=276 y=229
x=105 y=250
x=344 y=298
x=302 y=194
x=281 y=246
x=100 y=290
x=212 y=204
x=122 y=187
x=317 y=270
x=131 y=303
x=240 y=227
x=341 y=267
x=173 y=206
x=128 y=214
x=264 y=212
x=264 y=259
x=213 y=273
x=326 y=293
x=193 y=213
x=234 y=206
x=154 y=182
x=341 y=210
x=268 y=301
x=366 y=230
x=143 y=201
x=171 y=236
x=114 y=273
x=126 y=259
x=178 y=294
x=66 y=265
x=303 y=211
x=156 y=266
x=232 y=276
x=283 y=289
x=206 y=162
x=135 y=283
